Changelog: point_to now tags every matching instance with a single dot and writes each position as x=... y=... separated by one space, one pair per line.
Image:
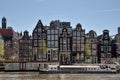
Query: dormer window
x=78 y=28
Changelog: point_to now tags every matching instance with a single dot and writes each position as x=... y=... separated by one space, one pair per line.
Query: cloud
x=110 y=10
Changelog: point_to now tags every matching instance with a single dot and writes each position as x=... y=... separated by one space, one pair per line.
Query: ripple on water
x=37 y=76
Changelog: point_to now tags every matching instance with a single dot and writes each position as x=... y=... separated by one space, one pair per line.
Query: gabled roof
x=39 y=24
x=6 y=32
x=93 y=33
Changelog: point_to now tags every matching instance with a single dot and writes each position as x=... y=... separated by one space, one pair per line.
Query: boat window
x=112 y=68
x=45 y=65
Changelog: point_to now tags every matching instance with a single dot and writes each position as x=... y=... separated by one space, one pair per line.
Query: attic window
x=39 y=30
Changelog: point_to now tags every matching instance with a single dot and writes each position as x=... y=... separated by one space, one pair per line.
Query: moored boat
x=78 y=69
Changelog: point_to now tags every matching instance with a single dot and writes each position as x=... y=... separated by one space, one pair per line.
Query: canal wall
x=27 y=66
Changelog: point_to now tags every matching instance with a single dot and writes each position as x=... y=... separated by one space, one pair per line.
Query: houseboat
x=78 y=69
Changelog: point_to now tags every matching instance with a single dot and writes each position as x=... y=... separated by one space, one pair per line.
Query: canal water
x=37 y=76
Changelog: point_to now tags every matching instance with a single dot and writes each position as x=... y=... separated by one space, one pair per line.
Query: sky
x=96 y=15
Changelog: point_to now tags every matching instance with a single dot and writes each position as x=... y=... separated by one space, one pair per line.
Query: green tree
x=87 y=47
x=43 y=48
x=1 y=50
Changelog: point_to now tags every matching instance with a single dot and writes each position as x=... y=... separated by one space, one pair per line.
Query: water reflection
x=37 y=76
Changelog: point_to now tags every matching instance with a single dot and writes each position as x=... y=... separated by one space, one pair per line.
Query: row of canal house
x=60 y=44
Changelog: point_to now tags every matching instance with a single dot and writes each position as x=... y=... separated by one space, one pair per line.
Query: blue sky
x=92 y=14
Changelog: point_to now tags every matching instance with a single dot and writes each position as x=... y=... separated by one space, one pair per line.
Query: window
x=52 y=37
x=78 y=39
x=48 y=37
x=48 y=31
x=101 y=48
x=92 y=35
x=45 y=66
x=74 y=39
x=106 y=42
x=102 y=55
x=68 y=47
x=78 y=47
x=56 y=37
x=48 y=43
x=74 y=33
x=64 y=35
x=35 y=42
x=118 y=46
x=106 y=36
x=69 y=29
x=82 y=33
x=35 y=36
x=52 y=43
x=25 y=46
x=43 y=53
x=82 y=39
x=44 y=36
x=78 y=33
x=82 y=47
x=106 y=49
x=64 y=47
x=52 y=31
x=81 y=56
x=39 y=36
x=54 y=55
x=56 y=43
x=74 y=47
x=39 y=42
x=35 y=50
x=56 y=31
x=109 y=48
x=94 y=52
x=64 y=41
x=20 y=41
x=55 y=51
x=118 y=38
x=94 y=46
x=39 y=29
x=68 y=40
